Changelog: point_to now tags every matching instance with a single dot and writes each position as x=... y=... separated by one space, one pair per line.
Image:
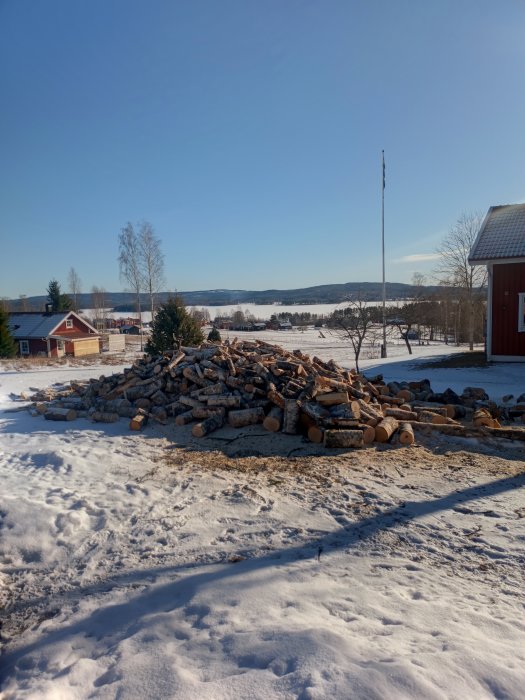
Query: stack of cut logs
x=241 y=383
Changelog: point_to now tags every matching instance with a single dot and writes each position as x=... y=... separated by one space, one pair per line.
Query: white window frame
x=69 y=323
x=60 y=345
x=521 y=312
x=24 y=347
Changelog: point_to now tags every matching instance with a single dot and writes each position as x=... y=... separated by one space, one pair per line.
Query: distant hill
x=321 y=294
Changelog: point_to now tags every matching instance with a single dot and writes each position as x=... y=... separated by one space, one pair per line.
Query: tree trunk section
x=208 y=426
x=224 y=401
x=184 y=418
x=60 y=414
x=333 y=398
x=343 y=438
x=291 y=417
x=386 y=429
x=406 y=434
x=274 y=420
x=138 y=421
x=247 y=416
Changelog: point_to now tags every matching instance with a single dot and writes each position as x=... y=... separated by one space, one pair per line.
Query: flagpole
x=384 y=352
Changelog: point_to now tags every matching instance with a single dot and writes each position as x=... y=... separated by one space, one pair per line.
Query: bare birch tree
x=98 y=304
x=130 y=264
x=151 y=262
x=454 y=266
x=74 y=284
x=356 y=323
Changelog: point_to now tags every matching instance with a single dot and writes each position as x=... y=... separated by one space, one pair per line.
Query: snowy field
x=251 y=565
x=259 y=311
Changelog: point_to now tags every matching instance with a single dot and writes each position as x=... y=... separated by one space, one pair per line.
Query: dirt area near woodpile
x=254 y=450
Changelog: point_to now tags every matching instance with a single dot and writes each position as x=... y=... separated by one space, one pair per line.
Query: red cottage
x=500 y=245
x=53 y=334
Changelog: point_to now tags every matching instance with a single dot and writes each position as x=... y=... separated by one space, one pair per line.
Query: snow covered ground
x=252 y=565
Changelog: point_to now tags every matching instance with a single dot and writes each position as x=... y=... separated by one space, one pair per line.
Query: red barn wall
x=78 y=326
x=508 y=280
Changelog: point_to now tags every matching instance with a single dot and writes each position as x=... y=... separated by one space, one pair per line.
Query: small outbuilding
x=500 y=245
x=53 y=334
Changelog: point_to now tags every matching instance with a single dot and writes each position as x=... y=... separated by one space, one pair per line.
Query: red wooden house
x=53 y=334
x=500 y=245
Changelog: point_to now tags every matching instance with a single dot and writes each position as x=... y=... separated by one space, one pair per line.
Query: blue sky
x=249 y=133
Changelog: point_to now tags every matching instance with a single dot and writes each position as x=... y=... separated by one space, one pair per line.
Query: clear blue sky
x=249 y=133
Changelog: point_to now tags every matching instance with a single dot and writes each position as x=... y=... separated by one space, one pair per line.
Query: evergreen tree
x=7 y=344
x=172 y=325
x=60 y=302
x=214 y=336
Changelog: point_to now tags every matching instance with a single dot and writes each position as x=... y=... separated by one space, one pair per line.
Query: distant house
x=130 y=330
x=53 y=334
x=500 y=245
x=223 y=323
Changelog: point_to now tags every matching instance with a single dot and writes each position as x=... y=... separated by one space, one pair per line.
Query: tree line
x=455 y=313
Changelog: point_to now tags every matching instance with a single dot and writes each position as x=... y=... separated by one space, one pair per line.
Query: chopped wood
x=289 y=391
x=343 y=438
x=369 y=432
x=103 y=417
x=138 y=421
x=193 y=403
x=482 y=417
x=277 y=398
x=332 y=398
x=207 y=426
x=184 y=418
x=426 y=416
x=386 y=429
x=291 y=416
x=225 y=401
x=246 y=416
x=405 y=394
x=400 y=414
x=60 y=414
x=274 y=419
x=206 y=412
x=406 y=434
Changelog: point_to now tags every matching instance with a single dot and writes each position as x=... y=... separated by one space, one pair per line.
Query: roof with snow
x=502 y=235
x=35 y=324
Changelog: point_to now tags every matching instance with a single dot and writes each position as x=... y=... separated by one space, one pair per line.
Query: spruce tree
x=59 y=301
x=173 y=325
x=214 y=336
x=7 y=344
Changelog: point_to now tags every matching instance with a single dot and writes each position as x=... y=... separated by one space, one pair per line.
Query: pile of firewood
x=242 y=383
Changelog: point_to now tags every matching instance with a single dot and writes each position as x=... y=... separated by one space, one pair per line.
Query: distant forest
x=322 y=294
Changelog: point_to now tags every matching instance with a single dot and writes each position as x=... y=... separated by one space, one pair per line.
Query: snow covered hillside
x=256 y=565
